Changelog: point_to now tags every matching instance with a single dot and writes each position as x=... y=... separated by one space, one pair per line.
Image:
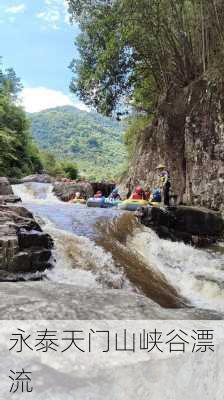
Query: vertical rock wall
x=188 y=135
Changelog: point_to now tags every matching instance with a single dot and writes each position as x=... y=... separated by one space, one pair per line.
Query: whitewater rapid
x=98 y=248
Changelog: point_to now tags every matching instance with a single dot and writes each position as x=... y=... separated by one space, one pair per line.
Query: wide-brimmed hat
x=160 y=166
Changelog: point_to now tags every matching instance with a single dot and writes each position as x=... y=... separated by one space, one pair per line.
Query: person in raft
x=164 y=183
x=139 y=194
x=77 y=196
x=114 y=195
x=98 y=195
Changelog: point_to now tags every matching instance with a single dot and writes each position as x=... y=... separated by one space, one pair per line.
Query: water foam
x=197 y=274
x=35 y=192
x=80 y=261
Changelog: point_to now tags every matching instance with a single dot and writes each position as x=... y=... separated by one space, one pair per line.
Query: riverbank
x=195 y=225
x=198 y=226
x=24 y=247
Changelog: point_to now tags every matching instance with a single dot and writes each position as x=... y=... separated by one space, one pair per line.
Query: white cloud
x=41 y=98
x=16 y=9
x=55 y=13
x=51 y=17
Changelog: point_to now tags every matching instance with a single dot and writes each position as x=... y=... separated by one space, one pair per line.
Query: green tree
x=70 y=169
x=132 y=51
x=18 y=154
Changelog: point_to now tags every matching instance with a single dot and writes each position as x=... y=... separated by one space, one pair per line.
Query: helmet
x=115 y=191
x=138 y=189
x=161 y=166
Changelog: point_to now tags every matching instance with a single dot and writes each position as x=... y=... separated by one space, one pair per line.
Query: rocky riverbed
x=24 y=248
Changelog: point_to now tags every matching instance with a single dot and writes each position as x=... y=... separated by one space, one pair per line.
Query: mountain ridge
x=93 y=141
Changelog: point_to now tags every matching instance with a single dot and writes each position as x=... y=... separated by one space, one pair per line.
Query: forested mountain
x=94 y=142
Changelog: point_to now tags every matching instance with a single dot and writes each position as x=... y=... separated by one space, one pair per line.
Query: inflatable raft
x=78 y=201
x=132 y=205
x=102 y=202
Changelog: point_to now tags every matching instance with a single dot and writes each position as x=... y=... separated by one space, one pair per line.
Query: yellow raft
x=78 y=201
x=133 y=205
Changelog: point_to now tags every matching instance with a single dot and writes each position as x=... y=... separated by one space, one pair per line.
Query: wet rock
x=24 y=248
x=6 y=192
x=11 y=199
x=19 y=216
x=5 y=187
x=34 y=239
x=39 y=178
x=67 y=190
x=198 y=226
x=105 y=187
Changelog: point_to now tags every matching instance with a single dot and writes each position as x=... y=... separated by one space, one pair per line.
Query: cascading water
x=97 y=248
x=197 y=274
x=78 y=259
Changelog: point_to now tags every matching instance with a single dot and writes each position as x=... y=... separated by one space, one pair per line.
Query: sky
x=37 y=40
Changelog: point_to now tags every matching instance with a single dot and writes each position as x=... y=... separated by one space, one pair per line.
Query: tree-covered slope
x=18 y=154
x=93 y=141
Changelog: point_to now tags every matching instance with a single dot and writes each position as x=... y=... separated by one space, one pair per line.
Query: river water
x=108 y=249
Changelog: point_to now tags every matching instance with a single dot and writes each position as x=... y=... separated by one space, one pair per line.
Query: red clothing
x=136 y=196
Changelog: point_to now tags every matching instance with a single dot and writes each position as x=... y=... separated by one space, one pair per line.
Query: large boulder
x=39 y=178
x=105 y=187
x=195 y=225
x=24 y=248
x=66 y=190
x=6 y=192
x=5 y=187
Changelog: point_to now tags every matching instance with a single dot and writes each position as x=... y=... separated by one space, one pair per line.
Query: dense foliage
x=58 y=168
x=94 y=142
x=132 y=51
x=18 y=154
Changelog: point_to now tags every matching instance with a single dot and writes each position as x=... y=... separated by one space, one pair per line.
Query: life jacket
x=137 y=196
x=147 y=195
x=163 y=176
x=156 y=196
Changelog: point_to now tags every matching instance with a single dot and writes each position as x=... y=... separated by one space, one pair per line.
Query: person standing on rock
x=129 y=186
x=164 y=183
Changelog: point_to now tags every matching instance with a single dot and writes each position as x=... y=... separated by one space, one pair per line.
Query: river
x=107 y=249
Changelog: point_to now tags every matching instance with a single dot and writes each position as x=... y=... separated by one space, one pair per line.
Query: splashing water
x=197 y=274
x=34 y=192
x=78 y=259
x=97 y=248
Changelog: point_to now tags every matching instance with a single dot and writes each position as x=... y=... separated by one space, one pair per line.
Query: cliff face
x=188 y=135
